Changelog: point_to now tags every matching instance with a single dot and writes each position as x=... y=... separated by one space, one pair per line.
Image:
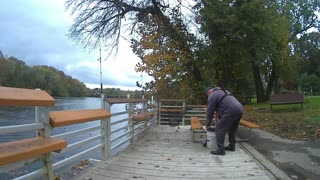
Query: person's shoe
x=230 y=148
x=218 y=152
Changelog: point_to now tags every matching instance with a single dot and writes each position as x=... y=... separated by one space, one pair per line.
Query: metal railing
x=177 y=112
x=171 y=111
x=194 y=111
x=107 y=136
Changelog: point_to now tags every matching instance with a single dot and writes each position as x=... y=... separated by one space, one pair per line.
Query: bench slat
x=143 y=116
x=64 y=118
x=171 y=110
x=11 y=152
x=195 y=123
x=24 y=97
x=248 y=124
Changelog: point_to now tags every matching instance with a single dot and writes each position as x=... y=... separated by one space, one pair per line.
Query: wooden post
x=105 y=130
x=42 y=116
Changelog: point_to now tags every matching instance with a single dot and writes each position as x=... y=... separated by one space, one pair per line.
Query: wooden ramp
x=168 y=153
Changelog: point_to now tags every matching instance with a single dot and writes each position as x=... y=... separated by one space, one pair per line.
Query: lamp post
x=101 y=88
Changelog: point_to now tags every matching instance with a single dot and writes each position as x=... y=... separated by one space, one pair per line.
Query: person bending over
x=229 y=112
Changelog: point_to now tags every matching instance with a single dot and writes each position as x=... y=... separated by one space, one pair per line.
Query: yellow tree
x=169 y=58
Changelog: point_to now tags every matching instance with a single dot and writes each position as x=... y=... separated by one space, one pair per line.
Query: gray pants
x=227 y=123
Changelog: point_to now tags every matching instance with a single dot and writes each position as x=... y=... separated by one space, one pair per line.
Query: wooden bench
x=195 y=123
x=198 y=133
x=286 y=99
x=249 y=125
x=11 y=152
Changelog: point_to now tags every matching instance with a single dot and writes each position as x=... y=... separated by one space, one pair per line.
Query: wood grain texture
x=169 y=153
x=10 y=96
x=64 y=118
x=15 y=151
x=248 y=124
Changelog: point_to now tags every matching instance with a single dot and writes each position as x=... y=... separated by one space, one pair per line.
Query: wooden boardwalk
x=168 y=153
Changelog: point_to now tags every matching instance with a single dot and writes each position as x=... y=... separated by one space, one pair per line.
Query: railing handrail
x=124 y=100
x=195 y=106
x=10 y=96
x=172 y=100
x=64 y=118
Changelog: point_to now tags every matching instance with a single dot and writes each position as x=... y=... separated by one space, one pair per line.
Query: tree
x=240 y=34
x=302 y=17
x=16 y=73
x=246 y=32
x=310 y=83
x=154 y=23
x=163 y=56
x=100 y=21
x=301 y=14
x=307 y=53
x=3 y=71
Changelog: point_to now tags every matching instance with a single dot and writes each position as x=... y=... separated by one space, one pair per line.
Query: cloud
x=36 y=32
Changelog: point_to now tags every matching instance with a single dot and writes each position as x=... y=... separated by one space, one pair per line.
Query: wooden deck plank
x=168 y=153
x=163 y=165
x=116 y=176
x=192 y=162
x=231 y=157
x=131 y=172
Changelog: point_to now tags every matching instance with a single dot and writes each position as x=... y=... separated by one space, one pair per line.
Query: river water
x=26 y=115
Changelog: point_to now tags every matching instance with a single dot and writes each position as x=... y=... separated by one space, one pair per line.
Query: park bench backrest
x=286 y=98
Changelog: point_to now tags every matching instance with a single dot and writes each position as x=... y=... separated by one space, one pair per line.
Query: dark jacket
x=228 y=106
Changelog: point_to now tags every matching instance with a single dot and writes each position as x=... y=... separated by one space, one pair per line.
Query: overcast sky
x=35 y=31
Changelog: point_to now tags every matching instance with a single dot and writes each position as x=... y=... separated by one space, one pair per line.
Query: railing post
x=42 y=116
x=131 y=123
x=105 y=130
x=184 y=108
x=159 y=112
x=144 y=109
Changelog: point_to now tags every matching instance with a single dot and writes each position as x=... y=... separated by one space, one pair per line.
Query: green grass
x=312 y=109
x=288 y=120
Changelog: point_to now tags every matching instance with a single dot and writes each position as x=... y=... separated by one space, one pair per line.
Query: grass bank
x=288 y=121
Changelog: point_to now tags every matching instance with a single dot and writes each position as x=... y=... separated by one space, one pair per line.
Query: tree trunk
x=276 y=88
x=257 y=82
x=271 y=82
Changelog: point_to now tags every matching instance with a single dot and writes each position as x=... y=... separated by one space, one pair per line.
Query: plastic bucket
x=211 y=139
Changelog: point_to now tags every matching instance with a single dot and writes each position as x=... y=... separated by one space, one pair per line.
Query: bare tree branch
x=101 y=21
